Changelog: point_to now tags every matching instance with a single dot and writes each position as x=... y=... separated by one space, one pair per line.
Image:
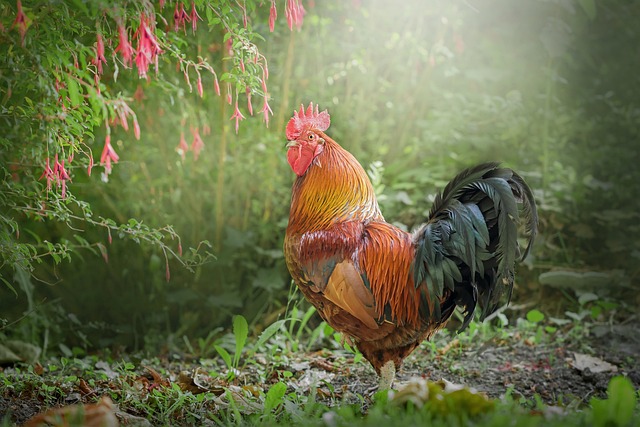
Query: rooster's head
x=306 y=137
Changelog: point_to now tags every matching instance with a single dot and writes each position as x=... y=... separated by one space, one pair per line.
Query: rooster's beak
x=291 y=144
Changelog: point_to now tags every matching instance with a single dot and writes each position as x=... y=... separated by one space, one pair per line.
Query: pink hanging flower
x=22 y=21
x=182 y=147
x=161 y=3
x=142 y=62
x=187 y=78
x=61 y=176
x=249 y=105
x=194 y=17
x=100 y=59
x=48 y=174
x=266 y=109
x=108 y=155
x=273 y=14
x=197 y=145
x=148 y=48
x=264 y=83
x=122 y=118
x=237 y=115
x=216 y=85
x=180 y=18
x=123 y=112
x=229 y=46
x=124 y=47
x=229 y=97
x=199 y=86
x=136 y=127
x=294 y=12
x=90 y=165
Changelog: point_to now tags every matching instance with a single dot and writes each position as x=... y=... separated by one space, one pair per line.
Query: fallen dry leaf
x=158 y=380
x=584 y=361
x=84 y=387
x=323 y=364
x=198 y=381
x=101 y=414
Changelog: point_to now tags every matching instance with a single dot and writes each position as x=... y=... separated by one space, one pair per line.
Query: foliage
x=79 y=78
x=548 y=87
x=618 y=408
x=178 y=392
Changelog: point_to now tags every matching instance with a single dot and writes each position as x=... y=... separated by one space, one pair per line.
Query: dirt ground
x=560 y=373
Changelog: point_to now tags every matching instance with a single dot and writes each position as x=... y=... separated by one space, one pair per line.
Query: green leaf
x=305 y=319
x=274 y=396
x=535 y=316
x=618 y=409
x=6 y=282
x=587 y=297
x=211 y=18
x=74 y=91
x=82 y=6
x=224 y=354
x=268 y=333
x=241 y=331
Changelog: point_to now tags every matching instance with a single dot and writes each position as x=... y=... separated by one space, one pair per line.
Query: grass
x=265 y=382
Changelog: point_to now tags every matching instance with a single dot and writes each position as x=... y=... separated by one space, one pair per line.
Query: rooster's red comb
x=309 y=119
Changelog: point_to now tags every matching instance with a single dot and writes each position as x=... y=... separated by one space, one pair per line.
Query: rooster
x=385 y=289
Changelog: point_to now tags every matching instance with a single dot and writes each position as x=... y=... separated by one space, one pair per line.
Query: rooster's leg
x=387 y=375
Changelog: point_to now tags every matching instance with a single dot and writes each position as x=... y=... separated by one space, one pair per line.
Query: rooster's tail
x=466 y=251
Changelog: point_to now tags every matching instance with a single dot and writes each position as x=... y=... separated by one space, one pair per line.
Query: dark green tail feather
x=468 y=246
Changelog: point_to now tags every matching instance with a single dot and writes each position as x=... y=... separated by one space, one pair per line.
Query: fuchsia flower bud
x=90 y=165
x=48 y=174
x=197 y=145
x=294 y=12
x=180 y=17
x=182 y=147
x=273 y=14
x=237 y=115
x=194 y=17
x=216 y=85
x=100 y=59
x=199 y=86
x=266 y=109
x=22 y=21
x=249 y=106
x=136 y=128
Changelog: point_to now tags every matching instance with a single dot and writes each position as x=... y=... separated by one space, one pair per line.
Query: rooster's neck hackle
x=335 y=189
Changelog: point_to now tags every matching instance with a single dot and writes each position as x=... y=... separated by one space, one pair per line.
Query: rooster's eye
x=310 y=136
